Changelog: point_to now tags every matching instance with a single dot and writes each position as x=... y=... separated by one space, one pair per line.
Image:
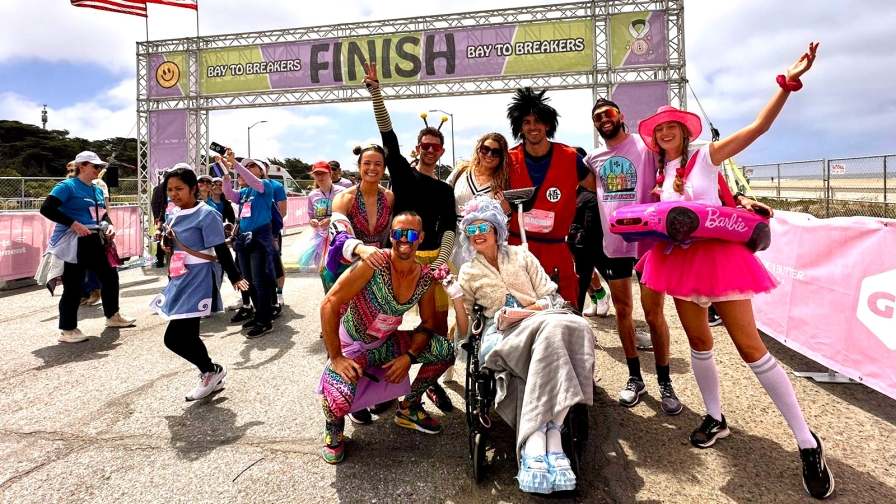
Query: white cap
x=181 y=165
x=205 y=177
x=89 y=157
x=260 y=164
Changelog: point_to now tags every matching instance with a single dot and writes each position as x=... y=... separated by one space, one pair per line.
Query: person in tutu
x=725 y=274
x=320 y=209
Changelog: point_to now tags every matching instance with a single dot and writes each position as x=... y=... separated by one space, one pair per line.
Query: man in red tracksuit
x=555 y=170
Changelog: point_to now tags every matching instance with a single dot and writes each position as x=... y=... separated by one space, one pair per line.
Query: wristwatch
x=412 y=357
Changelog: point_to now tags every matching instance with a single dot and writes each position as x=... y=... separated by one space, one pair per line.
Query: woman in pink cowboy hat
x=725 y=274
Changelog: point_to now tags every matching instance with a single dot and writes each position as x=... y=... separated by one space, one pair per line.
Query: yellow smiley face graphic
x=168 y=74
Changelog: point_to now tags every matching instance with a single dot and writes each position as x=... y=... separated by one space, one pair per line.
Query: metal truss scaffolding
x=600 y=79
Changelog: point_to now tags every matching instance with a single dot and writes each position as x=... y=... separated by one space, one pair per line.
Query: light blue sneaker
x=562 y=477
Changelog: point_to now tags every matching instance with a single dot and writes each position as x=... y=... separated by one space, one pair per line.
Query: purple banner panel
x=164 y=78
x=639 y=100
x=481 y=57
x=167 y=141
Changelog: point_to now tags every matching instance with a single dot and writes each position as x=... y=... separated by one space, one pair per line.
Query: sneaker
x=668 y=400
x=413 y=416
x=280 y=298
x=245 y=313
x=380 y=408
x=439 y=397
x=94 y=298
x=119 y=320
x=73 y=336
x=249 y=324
x=709 y=431
x=599 y=307
x=207 y=383
x=817 y=477
x=714 y=318
x=361 y=417
x=259 y=331
x=236 y=305
x=642 y=340
x=334 y=444
x=632 y=393
x=276 y=311
x=84 y=301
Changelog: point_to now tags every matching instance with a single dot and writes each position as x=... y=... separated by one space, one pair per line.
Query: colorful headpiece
x=424 y=115
x=525 y=102
x=487 y=209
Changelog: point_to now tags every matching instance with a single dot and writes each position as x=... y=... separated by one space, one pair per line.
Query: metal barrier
x=28 y=193
x=842 y=187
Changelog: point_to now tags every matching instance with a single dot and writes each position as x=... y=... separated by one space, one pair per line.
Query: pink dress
x=704 y=271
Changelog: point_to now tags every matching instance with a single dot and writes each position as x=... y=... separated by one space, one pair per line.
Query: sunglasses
x=481 y=228
x=605 y=113
x=204 y=182
x=485 y=150
x=426 y=146
x=411 y=234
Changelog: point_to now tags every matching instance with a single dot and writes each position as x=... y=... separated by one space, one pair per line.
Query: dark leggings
x=91 y=257
x=585 y=261
x=182 y=338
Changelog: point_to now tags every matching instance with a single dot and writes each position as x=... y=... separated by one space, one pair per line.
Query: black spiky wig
x=525 y=102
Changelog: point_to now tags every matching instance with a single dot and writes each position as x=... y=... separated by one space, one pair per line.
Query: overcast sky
x=81 y=63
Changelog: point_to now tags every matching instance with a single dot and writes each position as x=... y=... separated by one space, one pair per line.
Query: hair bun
x=357 y=150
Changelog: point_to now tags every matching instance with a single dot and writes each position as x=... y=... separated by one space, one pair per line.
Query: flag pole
x=197 y=19
x=147 y=25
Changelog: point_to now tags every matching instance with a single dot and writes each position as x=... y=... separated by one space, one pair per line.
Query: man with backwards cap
x=625 y=173
x=554 y=170
x=336 y=175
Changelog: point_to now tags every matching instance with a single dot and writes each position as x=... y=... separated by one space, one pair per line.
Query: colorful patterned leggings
x=438 y=356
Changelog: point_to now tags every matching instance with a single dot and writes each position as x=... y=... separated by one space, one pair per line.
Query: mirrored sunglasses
x=481 y=228
x=605 y=113
x=411 y=234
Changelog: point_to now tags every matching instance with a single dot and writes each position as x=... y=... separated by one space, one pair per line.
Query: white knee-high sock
x=536 y=445
x=704 y=366
x=554 y=443
x=779 y=388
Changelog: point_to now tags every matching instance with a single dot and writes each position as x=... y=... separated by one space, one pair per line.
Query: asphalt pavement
x=105 y=421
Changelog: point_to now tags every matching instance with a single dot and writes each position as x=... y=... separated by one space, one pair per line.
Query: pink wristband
x=787 y=85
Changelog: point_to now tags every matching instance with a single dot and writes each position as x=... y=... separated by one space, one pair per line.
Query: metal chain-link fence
x=844 y=187
x=28 y=193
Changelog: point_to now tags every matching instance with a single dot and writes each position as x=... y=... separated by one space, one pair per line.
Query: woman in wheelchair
x=541 y=354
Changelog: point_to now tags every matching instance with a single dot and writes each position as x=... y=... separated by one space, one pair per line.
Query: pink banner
x=24 y=238
x=296 y=212
x=837 y=300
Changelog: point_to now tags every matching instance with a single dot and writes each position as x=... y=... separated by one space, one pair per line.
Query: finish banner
x=462 y=53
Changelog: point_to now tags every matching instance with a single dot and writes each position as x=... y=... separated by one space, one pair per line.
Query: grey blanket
x=543 y=365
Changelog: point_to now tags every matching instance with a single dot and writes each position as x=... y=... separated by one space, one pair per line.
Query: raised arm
x=250 y=178
x=736 y=143
x=399 y=168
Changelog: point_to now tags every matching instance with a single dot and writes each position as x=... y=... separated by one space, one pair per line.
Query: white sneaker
x=642 y=340
x=590 y=311
x=119 y=320
x=208 y=382
x=280 y=299
x=602 y=307
x=236 y=305
x=73 y=336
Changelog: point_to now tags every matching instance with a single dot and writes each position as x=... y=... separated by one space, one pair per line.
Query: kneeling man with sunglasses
x=369 y=357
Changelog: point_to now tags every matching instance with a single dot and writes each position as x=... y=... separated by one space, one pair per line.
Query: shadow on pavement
x=66 y=353
x=862 y=397
x=281 y=340
x=677 y=365
x=205 y=426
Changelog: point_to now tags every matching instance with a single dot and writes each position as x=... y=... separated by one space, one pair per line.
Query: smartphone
x=761 y=211
x=216 y=147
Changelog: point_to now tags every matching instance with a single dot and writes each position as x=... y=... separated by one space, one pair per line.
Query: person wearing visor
x=420 y=191
x=624 y=173
x=83 y=227
x=367 y=339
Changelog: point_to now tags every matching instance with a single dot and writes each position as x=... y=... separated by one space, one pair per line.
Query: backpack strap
x=724 y=191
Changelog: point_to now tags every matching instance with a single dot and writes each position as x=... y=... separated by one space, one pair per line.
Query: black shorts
x=614 y=268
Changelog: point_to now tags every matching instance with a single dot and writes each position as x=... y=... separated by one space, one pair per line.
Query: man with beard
x=625 y=173
x=368 y=335
x=555 y=170
x=418 y=190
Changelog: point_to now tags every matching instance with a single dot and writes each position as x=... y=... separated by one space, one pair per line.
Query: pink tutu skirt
x=705 y=272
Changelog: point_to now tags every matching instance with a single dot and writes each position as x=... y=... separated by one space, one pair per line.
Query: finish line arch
x=631 y=50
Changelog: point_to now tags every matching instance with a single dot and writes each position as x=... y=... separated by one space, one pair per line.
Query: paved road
x=105 y=421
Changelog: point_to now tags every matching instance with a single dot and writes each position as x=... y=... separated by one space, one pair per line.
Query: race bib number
x=384 y=325
x=176 y=266
x=538 y=221
x=247 y=210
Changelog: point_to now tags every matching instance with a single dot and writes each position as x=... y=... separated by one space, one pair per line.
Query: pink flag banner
x=837 y=300
x=24 y=238
x=189 y=4
x=296 y=212
x=134 y=8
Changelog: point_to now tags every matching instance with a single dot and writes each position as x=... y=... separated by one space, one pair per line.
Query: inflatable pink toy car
x=681 y=221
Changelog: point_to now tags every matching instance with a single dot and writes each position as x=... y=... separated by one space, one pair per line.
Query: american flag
x=134 y=8
x=190 y=4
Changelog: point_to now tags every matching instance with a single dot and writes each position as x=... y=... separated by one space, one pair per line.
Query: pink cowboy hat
x=668 y=113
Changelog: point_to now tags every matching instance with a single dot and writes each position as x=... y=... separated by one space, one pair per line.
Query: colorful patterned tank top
x=358 y=217
x=377 y=298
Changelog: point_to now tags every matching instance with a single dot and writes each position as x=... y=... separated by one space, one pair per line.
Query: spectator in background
x=336 y=176
x=158 y=202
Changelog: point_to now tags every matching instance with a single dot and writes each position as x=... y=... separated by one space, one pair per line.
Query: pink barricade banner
x=24 y=237
x=837 y=300
x=296 y=212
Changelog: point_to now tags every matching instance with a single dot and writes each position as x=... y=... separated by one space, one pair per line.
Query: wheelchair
x=479 y=395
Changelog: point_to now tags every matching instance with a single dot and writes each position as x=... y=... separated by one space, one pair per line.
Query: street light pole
x=453 y=159
x=249 y=138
